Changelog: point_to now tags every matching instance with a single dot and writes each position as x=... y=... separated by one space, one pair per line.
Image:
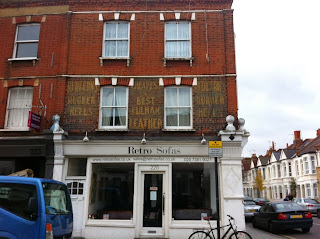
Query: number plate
x=296 y=216
x=252 y=210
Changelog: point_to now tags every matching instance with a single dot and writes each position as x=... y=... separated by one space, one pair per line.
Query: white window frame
x=172 y=107
x=306 y=165
x=115 y=39
x=126 y=107
x=297 y=167
x=308 y=190
x=177 y=40
x=16 y=43
x=313 y=165
x=22 y=126
x=289 y=168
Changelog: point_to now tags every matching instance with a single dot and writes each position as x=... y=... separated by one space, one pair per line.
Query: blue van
x=34 y=208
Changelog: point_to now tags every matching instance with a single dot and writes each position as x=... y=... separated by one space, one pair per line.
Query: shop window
x=178 y=110
x=178 y=40
x=15 y=197
x=113 y=108
x=116 y=40
x=193 y=193
x=111 y=191
x=18 y=107
x=26 y=42
x=77 y=167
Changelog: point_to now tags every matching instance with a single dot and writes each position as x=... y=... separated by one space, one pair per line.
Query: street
x=290 y=234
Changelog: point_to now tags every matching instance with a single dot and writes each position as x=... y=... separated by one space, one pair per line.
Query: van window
x=56 y=198
x=15 y=197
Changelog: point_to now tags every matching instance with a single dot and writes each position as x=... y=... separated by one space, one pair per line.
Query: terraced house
x=118 y=99
x=294 y=170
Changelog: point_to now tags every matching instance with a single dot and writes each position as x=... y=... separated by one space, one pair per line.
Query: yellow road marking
x=287 y=236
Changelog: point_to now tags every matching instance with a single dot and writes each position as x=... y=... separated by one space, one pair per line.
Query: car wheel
x=254 y=223
x=318 y=213
x=306 y=229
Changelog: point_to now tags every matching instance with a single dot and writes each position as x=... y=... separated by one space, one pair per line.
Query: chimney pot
x=297 y=134
x=318 y=132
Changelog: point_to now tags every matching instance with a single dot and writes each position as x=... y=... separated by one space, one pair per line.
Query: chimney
x=287 y=145
x=272 y=145
x=254 y=155
x=297 y=142
x=318 y=132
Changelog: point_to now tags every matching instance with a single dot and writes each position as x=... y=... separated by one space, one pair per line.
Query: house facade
x=290 y=170
x=124 y=97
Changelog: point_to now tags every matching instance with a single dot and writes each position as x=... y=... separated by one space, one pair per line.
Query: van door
x=15 y=220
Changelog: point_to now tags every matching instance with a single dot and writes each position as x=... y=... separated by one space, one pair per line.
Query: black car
x=260 y=201
x=276 y=216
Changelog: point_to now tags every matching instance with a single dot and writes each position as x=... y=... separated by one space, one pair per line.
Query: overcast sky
x=278 y=68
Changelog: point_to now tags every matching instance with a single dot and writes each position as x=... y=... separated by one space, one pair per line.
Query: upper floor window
x=178 y=112
x=116 y=40
x=313 y=165
x=113 y=107
x=306 y=165
x=18 y=107
x=290 y=172
x=27 y=40
x=178 y=40
x=297 y=168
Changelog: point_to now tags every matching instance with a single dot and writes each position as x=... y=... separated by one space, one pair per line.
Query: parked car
x=260 y=201
x=311 y=205
x=250 y=207
x=276 y=216
x=247 y=198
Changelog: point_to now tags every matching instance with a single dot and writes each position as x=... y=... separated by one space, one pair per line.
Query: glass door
x=153 y=203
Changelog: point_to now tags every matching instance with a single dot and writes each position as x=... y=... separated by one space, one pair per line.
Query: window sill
x=102 y=130
x=33 y=59
x=174 y=130
x=114 y=58
x=177 y=59
x=15 y=130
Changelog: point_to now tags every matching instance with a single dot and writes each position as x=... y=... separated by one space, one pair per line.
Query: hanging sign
x=34 y=121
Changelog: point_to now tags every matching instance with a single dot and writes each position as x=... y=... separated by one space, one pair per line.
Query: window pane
x=77 y=167
x=171 y=31
x=28 y=32
x=15 y=197
x=27 y=50
x=122 y=30
x=171 y=97
x=192 y=196
x=184 y=48
x=120 y=116
x=111 y=193
x=111 y=30
x=184 y=117
x=121 y=96
x=171 y=49
x=107 y=94
x=172 y=117
x=110 y=48
x=107 y=117
x=122 y=48
x=183 y=31
x=184 y=97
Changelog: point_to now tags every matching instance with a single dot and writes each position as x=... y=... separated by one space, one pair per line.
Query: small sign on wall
x=34 y=121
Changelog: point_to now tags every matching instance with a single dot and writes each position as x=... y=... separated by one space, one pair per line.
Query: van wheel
x=306 y=229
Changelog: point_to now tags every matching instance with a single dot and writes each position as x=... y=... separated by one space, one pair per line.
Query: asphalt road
x=290 y=234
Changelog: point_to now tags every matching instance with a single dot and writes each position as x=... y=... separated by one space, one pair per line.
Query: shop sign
x=34 y=121
x=215 y=149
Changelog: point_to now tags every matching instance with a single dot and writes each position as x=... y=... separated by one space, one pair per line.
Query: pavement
x=260 y=234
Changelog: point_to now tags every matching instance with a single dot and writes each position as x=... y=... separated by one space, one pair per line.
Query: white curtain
x=120 y=109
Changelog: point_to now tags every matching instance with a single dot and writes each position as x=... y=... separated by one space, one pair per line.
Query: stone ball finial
x=230 y=120
x=241 y=122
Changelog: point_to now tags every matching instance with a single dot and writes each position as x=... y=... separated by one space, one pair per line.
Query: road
x=290 y=234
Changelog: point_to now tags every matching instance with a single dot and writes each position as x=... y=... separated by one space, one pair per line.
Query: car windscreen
x=57 y=199
x=310 y=201
x=249 y=203
x=287 y=207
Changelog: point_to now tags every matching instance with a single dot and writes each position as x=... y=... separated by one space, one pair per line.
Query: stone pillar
x=230 y=172
x=58 y=136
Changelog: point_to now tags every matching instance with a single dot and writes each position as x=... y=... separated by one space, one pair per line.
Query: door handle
x=163 y=203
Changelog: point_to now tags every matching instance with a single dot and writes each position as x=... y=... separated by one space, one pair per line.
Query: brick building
x=139 y=87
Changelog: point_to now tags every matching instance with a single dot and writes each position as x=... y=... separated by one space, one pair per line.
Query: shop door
x=153 y=208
